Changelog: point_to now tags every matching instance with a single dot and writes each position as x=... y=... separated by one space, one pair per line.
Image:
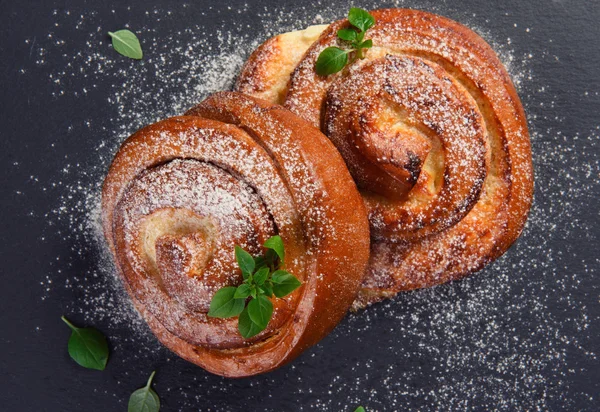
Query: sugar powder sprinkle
x=502 y=339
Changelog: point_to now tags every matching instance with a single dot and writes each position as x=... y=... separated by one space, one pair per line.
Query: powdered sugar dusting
x=502 y=339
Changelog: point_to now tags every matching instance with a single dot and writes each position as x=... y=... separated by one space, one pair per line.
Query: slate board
x=524 y=333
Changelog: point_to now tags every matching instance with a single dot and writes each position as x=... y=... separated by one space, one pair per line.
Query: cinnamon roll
x=435 y=136
x=235 y=170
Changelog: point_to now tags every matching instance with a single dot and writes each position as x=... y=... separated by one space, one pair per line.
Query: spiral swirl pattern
x=234 y=170
x=435 y=136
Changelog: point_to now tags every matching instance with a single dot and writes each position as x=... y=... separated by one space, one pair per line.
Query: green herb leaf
x=245 y=261
x=144 y=399
x=359 y=38
x=87 y=347
x=367 y=44
x=259 y=261
x=331 y=60
x=242 y=291
x=224 y=304
x=284 y=283
x=246 y=327
x=360 y=409
x=347 y=34
x=261 y=281
x=127 y=44
x=267 y=287
x=260 y=311
x=361 y=19
x=270 y=259
x=261 y=276
x=275 y=243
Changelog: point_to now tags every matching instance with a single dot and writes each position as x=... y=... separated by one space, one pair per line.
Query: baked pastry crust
x=434 y=134
x=265 y=75
x=182 y=192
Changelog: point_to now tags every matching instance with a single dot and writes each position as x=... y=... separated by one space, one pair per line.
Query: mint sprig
x=264 y=277
x=334 y=59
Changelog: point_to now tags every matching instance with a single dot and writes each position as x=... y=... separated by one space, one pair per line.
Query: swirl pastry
x=235 y=170
x=433 y=133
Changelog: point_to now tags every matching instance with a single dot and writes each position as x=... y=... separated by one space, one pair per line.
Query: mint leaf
x=347 y=34
x=360 y=409
x=333 y=59
x=224 y=304
x=259 y=261
x=245 y=261
x=260 y=311
x=144 y=399
x=126 y=43
x=361 y=19
x=242 y=291
x=270 y=257
x=276 y=244
x=359 y=37
x=330 y=61
x=261 y=282
x=246 y=327
x=267 y=288
x=284 y=283
x=261 y=276
x=367 y=44
x=87 y=347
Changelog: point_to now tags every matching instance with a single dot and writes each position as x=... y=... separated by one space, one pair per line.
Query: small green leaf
x=367 y=44
x=144 y=399
x=260 y=311
x=246 y=327
x=245 y=261
x=361 y=19
x=360 y=409
x=87 y=347
x=270 y=258
x=127 y=44
x=267 y=287
x=242 y=291
x=224 y=304
x=284 y=283
x=331 y=60
x=259 y=285
x=259 y=262
x=347 y=34
x=359 y=38
x=261 y=276
x=275 y=243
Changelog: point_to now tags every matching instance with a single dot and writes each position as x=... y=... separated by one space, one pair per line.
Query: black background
x=523 y=333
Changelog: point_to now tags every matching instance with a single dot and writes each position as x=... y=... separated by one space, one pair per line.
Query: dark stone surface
x=524 y=333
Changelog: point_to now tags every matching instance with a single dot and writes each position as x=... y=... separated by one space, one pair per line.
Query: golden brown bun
x=267 y=77
x=434 y=134
x=235 y=170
